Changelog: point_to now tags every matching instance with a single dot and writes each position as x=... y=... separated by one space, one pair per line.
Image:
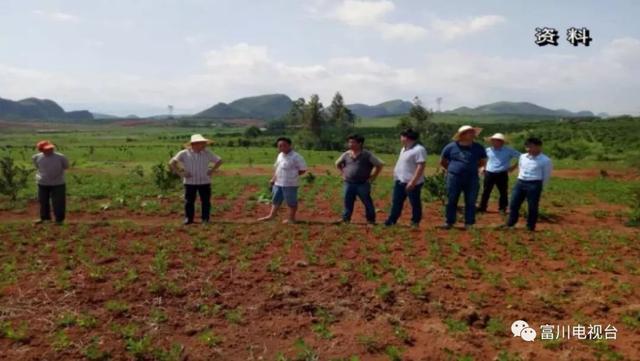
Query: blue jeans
x=399 y=195
x=362 y=191
x=289 y=194
x=531 y=191
x=469 y=185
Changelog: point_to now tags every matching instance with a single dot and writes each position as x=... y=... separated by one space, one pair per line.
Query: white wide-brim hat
x=198 y=138
x=465 y=128
x=498 y=136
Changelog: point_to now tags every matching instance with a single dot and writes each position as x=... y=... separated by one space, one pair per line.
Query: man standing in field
x=497 y=171
x=535 y=171
x=356 y=165
x=462 y=159
x=289 y=166
x=196 y=171
x=50 y=166
x=408 y=177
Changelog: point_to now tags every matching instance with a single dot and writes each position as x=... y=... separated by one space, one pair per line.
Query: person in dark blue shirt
x=462 y=159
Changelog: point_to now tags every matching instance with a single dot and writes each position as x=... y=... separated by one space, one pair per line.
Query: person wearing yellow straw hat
x=462 y=160
x=198 y=164
x=50 y=166
x=496 y=173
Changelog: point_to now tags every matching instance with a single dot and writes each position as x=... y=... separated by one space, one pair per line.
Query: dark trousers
x=457 y=184
x=501 y=181
x=531 y=191
x=52 y=195
x=400 y=193
x=190 y=193
x=362 y=191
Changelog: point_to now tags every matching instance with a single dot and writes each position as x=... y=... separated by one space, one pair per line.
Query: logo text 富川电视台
x=521 y=328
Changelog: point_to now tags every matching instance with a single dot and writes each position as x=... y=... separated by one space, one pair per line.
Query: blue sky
x=138 y=56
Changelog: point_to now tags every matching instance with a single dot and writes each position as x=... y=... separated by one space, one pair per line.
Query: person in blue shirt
x=462 y=159
x=496 y=173
x=534 y=172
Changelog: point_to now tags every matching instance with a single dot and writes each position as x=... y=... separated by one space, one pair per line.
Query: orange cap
x=44 y=145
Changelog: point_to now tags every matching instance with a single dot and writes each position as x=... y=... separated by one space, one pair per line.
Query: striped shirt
x=50 y=168
x=196 y=165
x=287 y=168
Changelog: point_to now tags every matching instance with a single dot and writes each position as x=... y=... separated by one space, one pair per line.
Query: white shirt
x=287 y=167
x=196 y=164
x=534 y=168
x=408 y=163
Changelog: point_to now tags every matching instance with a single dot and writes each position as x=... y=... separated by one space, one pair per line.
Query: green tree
x=313 y=120
x=340 y=116
x=420 y=116
x=252 y=132
x=13 y=177
x=295 y=116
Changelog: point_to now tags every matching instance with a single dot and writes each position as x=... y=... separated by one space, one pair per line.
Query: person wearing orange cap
x=50 y=166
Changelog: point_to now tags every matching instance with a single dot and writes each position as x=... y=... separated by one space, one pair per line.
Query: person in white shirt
x=408 y=177
x=289 y=166
x=196 y=175
x=534 y=172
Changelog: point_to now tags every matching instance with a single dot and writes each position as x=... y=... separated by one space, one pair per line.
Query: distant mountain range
x=274 y=106
x=519 y=108
x=39 y=109
x=271 y=107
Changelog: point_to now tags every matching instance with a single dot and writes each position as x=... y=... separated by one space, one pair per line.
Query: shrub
x=13 y=178
x=164 y=178
x=436 y=187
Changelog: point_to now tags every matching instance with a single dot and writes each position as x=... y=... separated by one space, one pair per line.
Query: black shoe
x=187 y=221
x=481 y=210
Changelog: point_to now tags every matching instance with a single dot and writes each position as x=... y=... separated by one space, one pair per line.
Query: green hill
x=38 y=109
x=386 y=109
x=518 y=108
x=265 y=107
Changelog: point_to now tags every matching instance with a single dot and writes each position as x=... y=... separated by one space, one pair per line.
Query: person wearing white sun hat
x=462 y=159
x=196 y=173
x=496 y=173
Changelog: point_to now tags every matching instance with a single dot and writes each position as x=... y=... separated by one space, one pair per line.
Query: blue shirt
x=500 y=159
x=536 y=168
x=463 y=160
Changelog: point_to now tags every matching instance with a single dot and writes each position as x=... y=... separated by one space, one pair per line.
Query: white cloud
x=402 y=31
x=601 y=81
x=362 y=13
x=371 y=14
x=451 y=29
x=241 y=54
x=57 y=16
